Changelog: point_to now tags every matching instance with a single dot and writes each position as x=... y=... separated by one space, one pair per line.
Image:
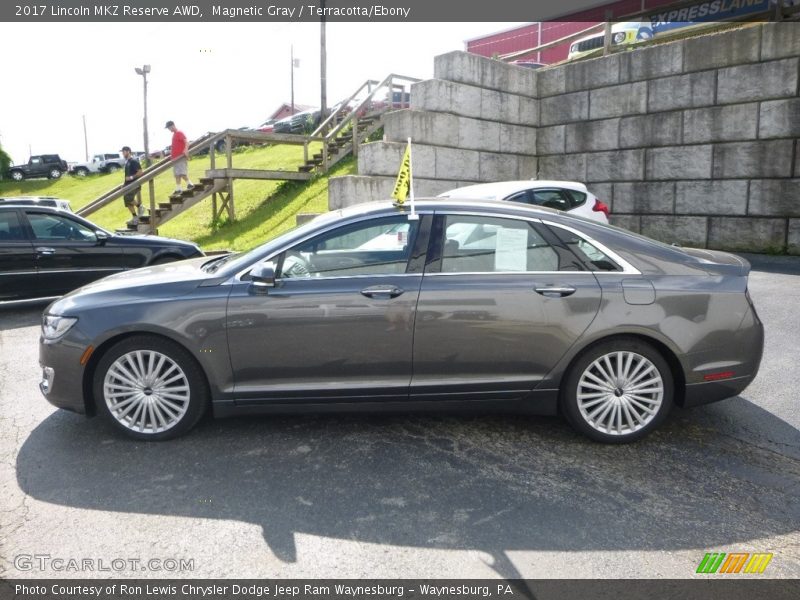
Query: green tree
x=5 y=162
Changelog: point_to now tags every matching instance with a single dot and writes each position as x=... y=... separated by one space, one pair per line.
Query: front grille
x=591 y=44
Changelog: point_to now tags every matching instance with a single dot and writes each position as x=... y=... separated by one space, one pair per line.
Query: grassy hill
x=264 y=209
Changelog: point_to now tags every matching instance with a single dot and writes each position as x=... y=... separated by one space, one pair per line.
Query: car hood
x=160 y=281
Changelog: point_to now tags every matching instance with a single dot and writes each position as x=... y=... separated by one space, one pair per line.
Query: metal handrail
x=387 y=82
x=331 y=116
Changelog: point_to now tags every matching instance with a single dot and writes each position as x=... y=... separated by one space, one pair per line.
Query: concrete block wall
x=694 y=141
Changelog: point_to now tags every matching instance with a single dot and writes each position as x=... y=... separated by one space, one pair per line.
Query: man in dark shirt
x=133 y=170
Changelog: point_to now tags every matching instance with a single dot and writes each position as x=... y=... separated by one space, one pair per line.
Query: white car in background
x=51 y=201
x=568 y=196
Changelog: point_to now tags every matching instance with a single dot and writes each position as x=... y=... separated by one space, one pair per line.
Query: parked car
x=100 y=163
x=46 y=252
x=299 y=123
x=52 y=201
x=42 y=165
x=489 y=305
x=560 y=195
x=266 y=127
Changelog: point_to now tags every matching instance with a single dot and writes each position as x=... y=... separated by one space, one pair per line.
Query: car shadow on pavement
x=16 y=318
x=463 y=482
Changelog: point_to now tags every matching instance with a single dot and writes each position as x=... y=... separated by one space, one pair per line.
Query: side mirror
x=262 y=277
x=102 y=237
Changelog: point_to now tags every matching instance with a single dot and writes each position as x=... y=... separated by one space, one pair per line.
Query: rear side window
x=590 y=255
x=576 y=198
x=556 y=199
x=10 y=228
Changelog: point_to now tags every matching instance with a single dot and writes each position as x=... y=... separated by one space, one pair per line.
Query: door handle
x=553 y=291
x=45 y=251
x=380 y=291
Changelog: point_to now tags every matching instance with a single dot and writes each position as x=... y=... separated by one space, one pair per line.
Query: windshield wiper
x=215 y=263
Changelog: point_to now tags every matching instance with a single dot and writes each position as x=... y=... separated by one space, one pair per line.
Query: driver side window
x=47 y=227
x=374 y=247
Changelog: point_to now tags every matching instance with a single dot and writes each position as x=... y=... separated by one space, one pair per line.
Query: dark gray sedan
x=481 y=305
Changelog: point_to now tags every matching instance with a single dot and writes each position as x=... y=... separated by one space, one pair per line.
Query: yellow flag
x=403 y=183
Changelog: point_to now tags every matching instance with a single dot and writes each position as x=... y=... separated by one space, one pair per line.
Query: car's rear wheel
x=150 y=388
x=55 y=173
x=17 y=175
x=112 y=168
x=618 y=391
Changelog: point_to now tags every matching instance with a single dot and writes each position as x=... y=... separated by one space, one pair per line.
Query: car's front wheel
x=17 y=175
x=618 y=391
x=81 y=172
x=150 y=388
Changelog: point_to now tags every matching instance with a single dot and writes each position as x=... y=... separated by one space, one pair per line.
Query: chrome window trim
x=84 y=270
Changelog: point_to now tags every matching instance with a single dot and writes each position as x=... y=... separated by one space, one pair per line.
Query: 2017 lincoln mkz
x=488 y=305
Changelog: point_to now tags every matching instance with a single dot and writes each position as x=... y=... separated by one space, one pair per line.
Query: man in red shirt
x=180 y=154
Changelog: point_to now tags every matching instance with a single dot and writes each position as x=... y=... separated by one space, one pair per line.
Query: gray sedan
x=482 y=305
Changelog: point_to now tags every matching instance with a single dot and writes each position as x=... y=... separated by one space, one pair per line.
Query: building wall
x=694 y=142
x=527 y=36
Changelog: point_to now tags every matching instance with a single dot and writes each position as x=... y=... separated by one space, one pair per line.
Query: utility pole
x=85 y=141
x=323 y=66
x=150 y=184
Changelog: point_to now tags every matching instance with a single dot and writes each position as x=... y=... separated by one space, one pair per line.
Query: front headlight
x=619 y=37
x=54 y=326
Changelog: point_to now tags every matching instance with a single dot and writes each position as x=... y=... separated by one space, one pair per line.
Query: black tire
x=580 y=376
x=112 y=168
x=81 y=172
x=17 y=175
x=187 y=367
x=55 y=173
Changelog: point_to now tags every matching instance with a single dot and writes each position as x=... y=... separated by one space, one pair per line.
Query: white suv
x=568 y=196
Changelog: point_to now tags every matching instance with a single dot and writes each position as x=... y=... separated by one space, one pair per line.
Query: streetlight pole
x=143 y=72
x=150 y=184
x=323 y=67
x=291 y=56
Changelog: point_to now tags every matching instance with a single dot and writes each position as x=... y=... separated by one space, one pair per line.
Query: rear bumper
x=698 y=394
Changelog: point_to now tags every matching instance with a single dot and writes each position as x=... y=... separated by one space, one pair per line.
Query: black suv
x=43 y=165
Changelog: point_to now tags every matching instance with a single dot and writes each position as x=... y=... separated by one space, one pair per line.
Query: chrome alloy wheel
x=146 y=391
x=620 y=392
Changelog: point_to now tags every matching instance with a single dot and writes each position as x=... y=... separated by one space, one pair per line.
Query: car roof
x=500 y=189
x=444 y=204
x=26 y=198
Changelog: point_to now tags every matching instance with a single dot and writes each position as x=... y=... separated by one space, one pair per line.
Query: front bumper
x=62 y=374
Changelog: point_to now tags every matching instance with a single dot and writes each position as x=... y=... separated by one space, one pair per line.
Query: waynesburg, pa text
x=269 y=590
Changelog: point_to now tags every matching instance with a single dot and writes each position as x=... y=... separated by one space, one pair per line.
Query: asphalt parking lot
x=406 y=496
